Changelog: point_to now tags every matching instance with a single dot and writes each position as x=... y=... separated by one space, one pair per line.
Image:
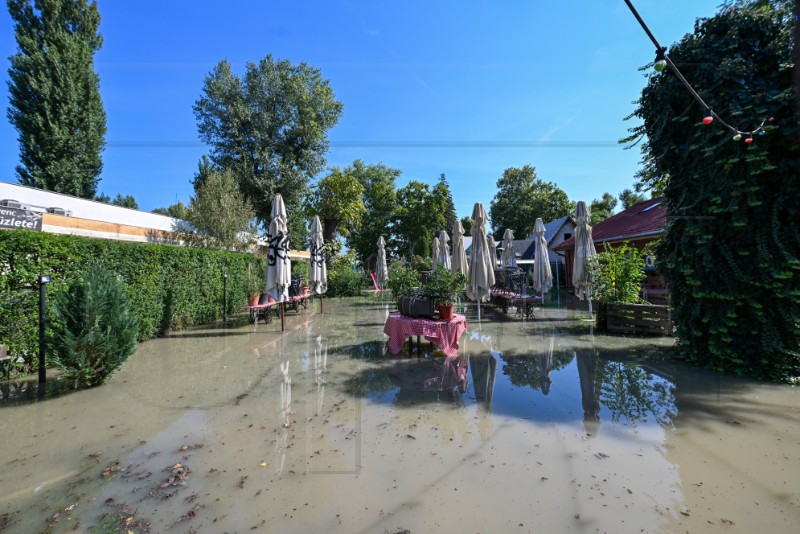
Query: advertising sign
x=14 y=218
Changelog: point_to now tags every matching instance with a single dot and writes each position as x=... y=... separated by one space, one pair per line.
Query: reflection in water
x=320 y=368
x=418 y=380
x=534 y=369
x=285 y=410
x=483 y=370
x=590 y=392
x=635 y=394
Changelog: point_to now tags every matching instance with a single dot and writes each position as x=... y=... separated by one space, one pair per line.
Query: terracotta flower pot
x=252 y=300
x=446 y=312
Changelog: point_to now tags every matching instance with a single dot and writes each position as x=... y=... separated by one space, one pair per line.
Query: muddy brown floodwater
x=536 y=426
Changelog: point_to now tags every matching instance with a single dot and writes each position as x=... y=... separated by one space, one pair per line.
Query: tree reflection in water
x=534 y=369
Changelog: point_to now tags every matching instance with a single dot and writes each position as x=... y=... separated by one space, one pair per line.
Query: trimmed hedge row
x=169 y=287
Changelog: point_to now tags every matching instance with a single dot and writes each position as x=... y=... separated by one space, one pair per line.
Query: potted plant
x=253 y=286
x=443 y=286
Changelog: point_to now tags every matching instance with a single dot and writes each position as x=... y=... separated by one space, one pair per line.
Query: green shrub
x=402 y=280
x=94 y=329
x=617 y=274
x=169 y=287
x=344 y=281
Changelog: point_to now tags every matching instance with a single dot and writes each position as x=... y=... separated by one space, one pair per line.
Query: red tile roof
x=642 y=219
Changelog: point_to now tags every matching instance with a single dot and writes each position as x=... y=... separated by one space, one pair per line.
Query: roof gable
x=644 y=218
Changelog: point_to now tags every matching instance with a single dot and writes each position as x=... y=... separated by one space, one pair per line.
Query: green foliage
x=337 y=199
x=442 y=189
x=731 y=255
x=126 y=201
x=94 y=329
x=443 y=285
x=601 y=209
x=617 y=274
x=403 y=280
x=269 y=127
x=420 y=214
x=169 y=287
x=344 y=280
x=521 y=198
x=466 y=223
x=54 y=95
x=629 y=198
x=218 y=215
x=300 y=268
x=176 y=211
x=380 y=201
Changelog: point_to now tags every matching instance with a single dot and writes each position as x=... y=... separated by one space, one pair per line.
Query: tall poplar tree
x=54 y=98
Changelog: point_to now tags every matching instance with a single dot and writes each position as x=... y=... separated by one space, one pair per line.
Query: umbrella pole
x=479 y=311
x=283 y=304
x=320 y=305
x=589 y=297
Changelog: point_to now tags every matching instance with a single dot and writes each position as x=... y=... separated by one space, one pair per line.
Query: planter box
x=638 y=319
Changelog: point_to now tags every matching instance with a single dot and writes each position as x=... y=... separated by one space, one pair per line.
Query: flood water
x=538 y=425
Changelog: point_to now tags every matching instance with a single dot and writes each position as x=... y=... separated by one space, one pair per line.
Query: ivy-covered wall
x=169 y=287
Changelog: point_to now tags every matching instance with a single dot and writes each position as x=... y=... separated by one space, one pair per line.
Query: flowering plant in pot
x=443 y=286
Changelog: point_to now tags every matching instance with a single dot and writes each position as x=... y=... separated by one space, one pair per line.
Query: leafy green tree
x=601 y=209
x=54 y=93
x=629 y=198
x=419 y=214
x=218 y=215
x=522 y=197
x=730 y=254
x=176 y=211
x=94 y=330
x=126 y=201
x=466 y=223
x=338 y=200
x=443 y=189
x=380 y=201
x=269 y=128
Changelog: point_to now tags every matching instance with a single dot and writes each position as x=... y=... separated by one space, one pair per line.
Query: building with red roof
x=639 y=225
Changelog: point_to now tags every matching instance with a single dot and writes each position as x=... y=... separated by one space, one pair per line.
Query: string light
x=663 y=61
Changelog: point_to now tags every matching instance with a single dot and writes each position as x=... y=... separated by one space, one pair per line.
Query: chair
x=375 y=282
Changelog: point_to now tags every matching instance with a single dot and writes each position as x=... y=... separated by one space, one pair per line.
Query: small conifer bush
x=94 y=329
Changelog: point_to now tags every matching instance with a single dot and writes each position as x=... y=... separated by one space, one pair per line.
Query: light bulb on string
x=661 y=62
x=748 y=140
x=708 y=117
x=737 y=137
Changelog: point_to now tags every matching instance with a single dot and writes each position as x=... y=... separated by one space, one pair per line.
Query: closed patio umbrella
x=584 y=251
x=444 y=250
x=279 y=266
x=492 y=249
x=481 y=271
x=434 y=253
x=509 y=258
x=542 y=275
x=459 y=261
x=382 y=274
x=318 y=270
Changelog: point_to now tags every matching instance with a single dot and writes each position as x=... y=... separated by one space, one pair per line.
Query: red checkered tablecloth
x=444 y=334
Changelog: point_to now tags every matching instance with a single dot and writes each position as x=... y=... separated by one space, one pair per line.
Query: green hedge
x=169 y=287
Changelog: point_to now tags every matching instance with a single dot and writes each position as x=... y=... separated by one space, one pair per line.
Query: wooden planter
x=637 y=319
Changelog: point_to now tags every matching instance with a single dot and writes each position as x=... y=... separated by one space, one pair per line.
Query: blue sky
x=463 y=88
